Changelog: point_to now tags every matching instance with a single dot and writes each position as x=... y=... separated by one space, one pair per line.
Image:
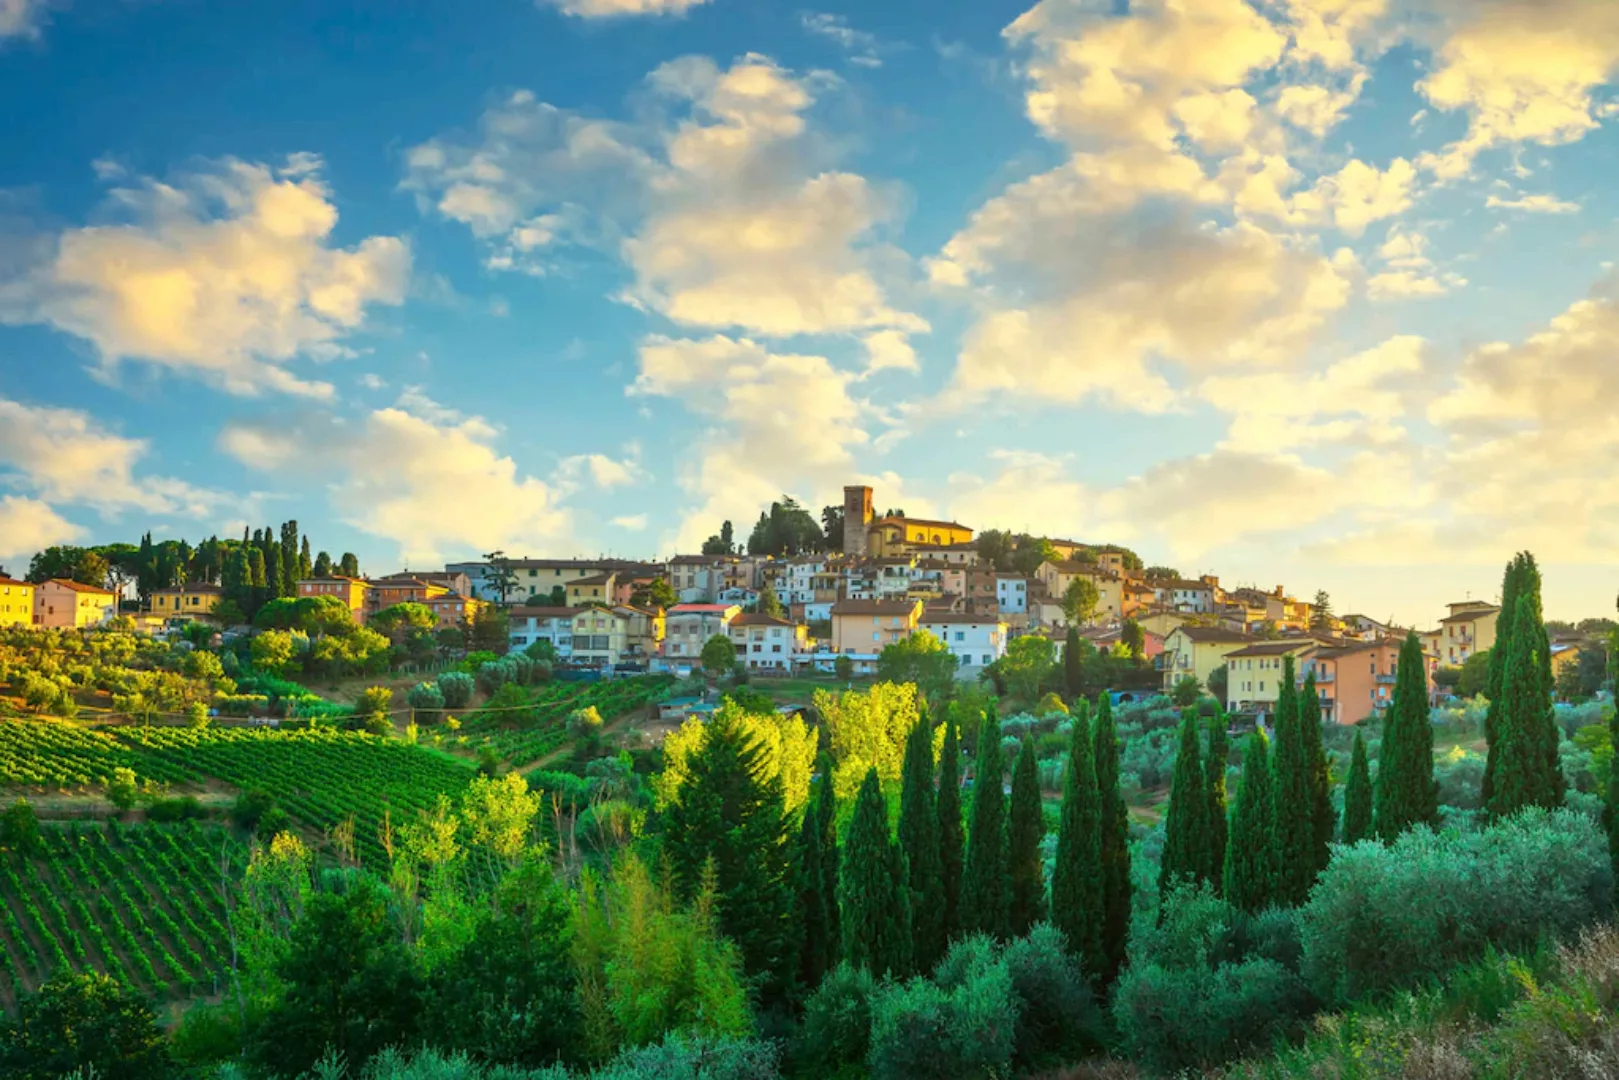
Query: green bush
x=183 y=808
x=921 y=1031
x=836 y=1036
x=1058 y=1018
x=456 y=689
x=1382 y=918
x=426 y=696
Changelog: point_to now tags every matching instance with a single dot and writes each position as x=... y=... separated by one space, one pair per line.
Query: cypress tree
x=1073 y=668
x=1511 y=584
x=919 y=839
x=256 y=589
x=1115 y=843
x=272 y=565
x=305 y=565
x=813 y=921
x=1293 y=819
x=1524 y=776
x=1186 y=826
x=826 y=817
x=1322 y=813
x=1610 y=809
x=1250 y=858
x=952 y=838
x=1406 y=793
x=1077 y=876
x=1358 y=795
x=985 y=896
x=1214 y=772
x=1025 y=827
x=872 y=890
x=289 y=558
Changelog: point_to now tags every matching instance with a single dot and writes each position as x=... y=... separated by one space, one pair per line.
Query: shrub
x=425 y=696
x=183 y=808
x=1387 y=917
x=836 y=1035
x=694 y=1057
x=456 y=689
x=250 y=807
x=585 y=723
x=241 y=704
x=921 y=1031
x=1058 y=1018
x=1461 y=777
x=197 y=715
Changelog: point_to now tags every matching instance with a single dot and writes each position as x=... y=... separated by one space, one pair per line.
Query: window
x=775 y=648
x=987 y=659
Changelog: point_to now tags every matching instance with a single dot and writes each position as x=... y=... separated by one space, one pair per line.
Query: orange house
x=354 y=592
x=1357 y=681
x=865 y=626
x=67 y=605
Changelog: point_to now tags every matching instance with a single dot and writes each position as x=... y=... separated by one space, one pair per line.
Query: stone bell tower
x=856 y=517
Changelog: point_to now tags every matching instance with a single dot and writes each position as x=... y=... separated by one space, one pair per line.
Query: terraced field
x=527 y=735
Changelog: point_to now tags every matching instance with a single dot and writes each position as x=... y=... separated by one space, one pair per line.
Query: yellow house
x=1161 y=621
x=1469 y=628
x=1254 y=673
x=66 y=605
x=595 y=589
x=899 y=535
x=16 y=602
x=600 y=636
x=1197 y=650
x=865 y=626
x=643 y=629
x=186 y=603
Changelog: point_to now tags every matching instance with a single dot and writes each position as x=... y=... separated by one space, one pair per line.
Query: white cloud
x=1408 y=284
x=887 y=349
x=605 y=472
x=227 y=275
x=1314 y=108
x=1533 y=204
x=631 y=522
x=1357 y=196
x=30 y=525
x=21 y=18
x=614 y=9
x=1331 y=31
x=860 y=45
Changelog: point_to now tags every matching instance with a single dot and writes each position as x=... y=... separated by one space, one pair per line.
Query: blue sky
x=1311 y=292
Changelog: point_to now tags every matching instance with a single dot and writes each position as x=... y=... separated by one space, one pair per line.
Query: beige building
x=1254 y=673
x=865 y=626
x=600 y=636
x=1197 y=651
x=64 y=605
x=687 y=627
x=764 y=642
x=1468 y=629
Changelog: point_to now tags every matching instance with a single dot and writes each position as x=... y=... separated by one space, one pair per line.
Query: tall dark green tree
x=236 y=582
x=349 y=565
x=1077 y=874
x=1294 y=816
x=1073 y=666
x=872 y=889
x=1115 y=843
x=1186 y=826
x=1406 y=793
x=305 y=564
x=1249 y=872
x=145 y=569
x=256 y=589
x=811 y=915
x=952 y=838
x=826 y=816
x=1512 y=583
x=730 y=810
x=919 y=839
x=323 y=565
x=1025 y=828
x=1358 y=795
x=289 y=558
x=272 y=566
x=1214 y=770
x=985 y=892
x=1322 y=814
x=1610 y=809
x=1524 y=774
x=83 y=1024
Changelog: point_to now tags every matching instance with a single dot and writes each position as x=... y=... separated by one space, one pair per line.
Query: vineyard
x=142 y=904
x=528 y=734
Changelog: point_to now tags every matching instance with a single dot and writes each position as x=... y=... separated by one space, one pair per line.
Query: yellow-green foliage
x=787 y=742
x=868 y=729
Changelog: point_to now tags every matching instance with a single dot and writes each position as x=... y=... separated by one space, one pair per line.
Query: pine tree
x=985 y=896
x=1250 y=861
x=1073 y=668
x=952 y=841
x=872 y=891
x=1025 y=828
x=730 y=812
x=826 y=818
x=1214 y=769
x=1294 y=816
x=1115 y=843
x=1186 y=826
x=1524 y=776
x=1076 y=876
x=1511 y=585
x=919 y=839
x=1358 y=795
x=1322 y=813
x=1405 y=793
x=813 y=920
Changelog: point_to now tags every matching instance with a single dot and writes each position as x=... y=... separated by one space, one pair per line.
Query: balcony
x=1384 y=680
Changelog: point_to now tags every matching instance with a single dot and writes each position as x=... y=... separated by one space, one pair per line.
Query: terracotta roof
x=874 y=607
x=1470 y=614
x=543 y=612
x=946 y=618
x=596 y=579
x=1212 y=635
x=928 y=522
x=761 y=620
x=11 y=581
x=79 y=586
x=1184 y=584
x=699 y=609
x=1275 y=648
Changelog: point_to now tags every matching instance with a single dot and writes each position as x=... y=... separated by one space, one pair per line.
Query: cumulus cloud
x=30 y=525
x=1357 y=195
x=227 y=274
x=617 y=9
x=600 y=470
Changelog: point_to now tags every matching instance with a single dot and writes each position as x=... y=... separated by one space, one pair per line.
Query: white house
x=553 y=624
x=976 y=640
x=764 y=642
x=1193 y=596
x=1012 y=593
x=688 y=626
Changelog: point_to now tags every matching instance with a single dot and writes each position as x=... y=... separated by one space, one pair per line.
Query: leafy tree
x=722 y=543
x=995 y=548
x=873 y=892
x=123 y=789
x=1610 y=808
x=1294 y=820
x=1134 y=639
x=1514 y=582
x=785 y=529
x=952 y=839
x=1073 y=664
x=1186 y=691
x=1358 y=795
x=655 y=595
x=1077 y=881
x=349 y=984
x=488 y=628
x=1160 y=573
x=1215 y=772
x=83 y=565
x=1474 y=677
x=832 y=528
x=1187 y=847
x=399 y=620
x=843 y=668
x=718 y=656
x=812 y=915
x=1406 y=793
x=1321 y=611
x=985 y=896
x=19 y=830
x=1079 y=600
x=730 y=812
x=1028 y=660
x=770 y=603
x=499 y=577
x=826 y=818
x=348 y=565
x=1250 y=856
x=867 y=728
x=1115 y=843
x=921 y=659
x=1322 y=814
x=1219 y=680
x=919 y=840
x=81 y=1025
x=1030 y=552
x=1025 y=828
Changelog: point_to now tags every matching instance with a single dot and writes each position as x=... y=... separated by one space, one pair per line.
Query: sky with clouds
x=1307 y=292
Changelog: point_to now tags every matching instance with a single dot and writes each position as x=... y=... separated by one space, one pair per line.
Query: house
x=353 y=592
x=962 y=554
x=1356 y=680
x=16 y=602
x=188 y=602
x=982 y=588
x=451 y=609
x=400 y=589
x=449 y=582
x=696 y=578
x=1196 y=597
x=898 y=535
x=766 y=643
x=1564 y=655
x=595 y=589
x=532 y=577
x=1365 y=628
x=1197 y=651
x=600 y=636
x=644 y=631
x=687 y=628
x=1107 y=638
x=1254 y=673
x=1469 y=628
x=865 y=626
x=977 y=641
x=1012 y=593
x=1160 y=620
x=65 y=605
x=531 y=624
